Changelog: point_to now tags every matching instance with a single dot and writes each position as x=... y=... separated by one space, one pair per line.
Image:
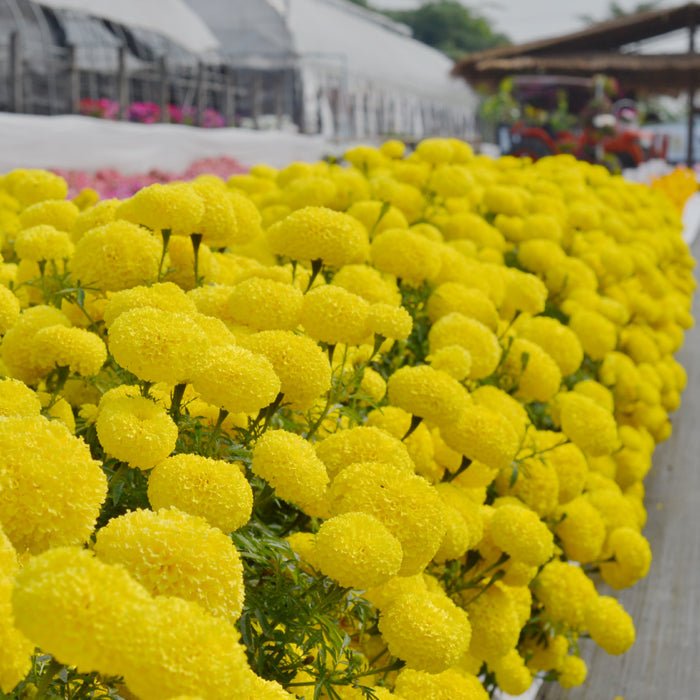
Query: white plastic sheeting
x=85 y=143
x=172 y=18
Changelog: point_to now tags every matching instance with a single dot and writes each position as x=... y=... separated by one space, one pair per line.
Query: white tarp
x=172 y=18
x=85 y=143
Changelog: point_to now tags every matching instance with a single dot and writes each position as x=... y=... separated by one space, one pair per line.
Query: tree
x=615 y=11
x=450 y=27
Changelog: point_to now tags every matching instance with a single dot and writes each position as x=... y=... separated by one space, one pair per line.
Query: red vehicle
x=606 y=134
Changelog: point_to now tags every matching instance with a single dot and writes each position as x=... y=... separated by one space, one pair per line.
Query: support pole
x=255 y=99
x=16 y=77
x=690 y=156
x=229 y=96
x=201 y=94
x=163 y=91
x=122 y=83
x=73 y=80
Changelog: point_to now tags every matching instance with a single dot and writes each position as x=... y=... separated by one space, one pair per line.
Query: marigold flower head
x=406 y=504
x=333 y=315
x=533 y=372
x=572 y=672
x=376 y=217
x=369 y=284
x=427 y=393
x=290 y=465
x=52 y=488
x=495 y=623
x=301 y=365
x=362 y=444
x=456 y=329
x=523 y=292
x=389 y=321
x=520 y=533
x=569 y=463
x=407 y=255
x=248 y=218
x=176 y=206
x=586 y=424
x=558 y=341
x=565 y=591
x=59 y=213
x=581 y=531
x=448 y=685
x=265 y=304
x=598 y=336
x=427 y=630
x=373 y=384
x=357 y=550
x=209 y=488
x=464 y=524
x=236 y=379
x=454 y=360
x=632 y=558
x=317 y=233
x=163 y=295
x=99 y=214
x=81 y=351
x=173 y=553
x=43 y=242
x=29 y=186
x=17 y=399
x=9 y=309
x=498 y=400
x=471 y=302
x=218 y=223
x=609 y=625
x=512 y=675
x=118 y=255
x=157 y=346
x=135 y=430
x=482 y=435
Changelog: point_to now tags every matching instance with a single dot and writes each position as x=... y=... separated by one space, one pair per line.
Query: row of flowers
x=151 y=113
x=373 y=430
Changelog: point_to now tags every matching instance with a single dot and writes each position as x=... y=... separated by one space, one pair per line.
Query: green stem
x=166 y=233
x=466 y=462
x=316 y=266
x=196 y=239
x=176 y=402
x=47 y=677
x=415 y=422
x=223 y=413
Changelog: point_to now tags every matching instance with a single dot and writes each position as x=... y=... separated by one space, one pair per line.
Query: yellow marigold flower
x=384 y=595
x=362 y=444
x=497 y=400
x=558 y=341
x=427 y=630
x=163 y=295
x=565 y=591
x=609 y=625
x=389 y=321
x=393 y=148
x=456 y=329
x=17 y=349
x=333 y=315
x=586 y=424
x=520 y=533
x=533 y=372
x=157 y=346
x=180 y=263
x=427 y=393
x=436 y=150
x=523 y=292
x=502 y=199
x=471 y=227
x=357 y=550
x=596 y=391
x=495 y=622
x=301 y=365
x=464 y=524
x=118 y=255
x=405 y=504
x=210 y=488
x=568 y=461
x=99 y=214
x=598 y=336
x=185 y=650
x=43 y=242
x=632 y=555
x=136 y=431
x=176 y=554
x=218 y=223
x=407 y=255
x=17 y=399
x=17 y=650
x=29 y=186
x=448 y=685
x=373 y=384
x=546 y=653
x=290 y=465
x=236 y=379
x=175 y=206
x=455 y=297
x=59 y=213
x=581 y=531
x=376 y=217
x=317 y=233
x=572 y=672
x=368 y=283
x=9 y=309
x=454 y=360
x=539 y=255
x=265 y=304
x=482 y=435
x=512 y=675
x=537 y=484
x=451 y=181
x=81 y=351
x=92 y=607
x=52 y=488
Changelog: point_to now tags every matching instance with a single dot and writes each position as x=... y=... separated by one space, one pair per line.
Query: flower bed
x=331 y=432
x=150 y=113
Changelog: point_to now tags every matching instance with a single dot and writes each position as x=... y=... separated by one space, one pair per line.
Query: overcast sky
x=523 y=20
